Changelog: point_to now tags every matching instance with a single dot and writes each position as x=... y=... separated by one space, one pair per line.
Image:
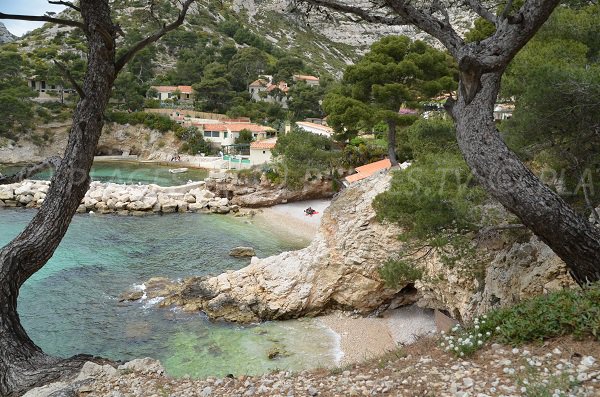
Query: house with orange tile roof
x=365 y=171
x=310 y=80
x=261 y=151
x=224 y=133
x=183 y=93
x=263 y=90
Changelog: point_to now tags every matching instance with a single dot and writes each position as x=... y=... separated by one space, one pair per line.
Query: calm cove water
x=129 y=172
x=71 y=306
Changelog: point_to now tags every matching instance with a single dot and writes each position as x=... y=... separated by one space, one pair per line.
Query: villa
x=317 y=129
x=224 y=133
x=263 y=90
x=183 y=93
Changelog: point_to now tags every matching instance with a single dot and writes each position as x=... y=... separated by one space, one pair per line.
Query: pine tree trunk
x=507 y=179
x=392 y=142
x=23 y=364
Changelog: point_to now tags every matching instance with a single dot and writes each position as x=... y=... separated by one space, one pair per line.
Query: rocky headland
x=339 y=270
x=258 y=191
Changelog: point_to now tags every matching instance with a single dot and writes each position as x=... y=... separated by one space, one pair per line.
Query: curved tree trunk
x=23 y=364
x=507 y=179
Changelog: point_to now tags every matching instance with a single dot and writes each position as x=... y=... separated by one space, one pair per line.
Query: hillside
x=5 y=35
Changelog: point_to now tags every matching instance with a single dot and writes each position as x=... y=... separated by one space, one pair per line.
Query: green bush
x=301 y=153
x=397 y=272
x=433 y=195
x=150 y=120
x=568 y=312
x=193 y=141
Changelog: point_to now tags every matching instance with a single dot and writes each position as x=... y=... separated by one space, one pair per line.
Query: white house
x=224 y=133
x=503 y=111
x=315 y=128
x=261 y=151
x=183 y=93
x=263 y=90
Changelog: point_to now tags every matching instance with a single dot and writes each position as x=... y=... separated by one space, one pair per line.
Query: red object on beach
x=314 y=213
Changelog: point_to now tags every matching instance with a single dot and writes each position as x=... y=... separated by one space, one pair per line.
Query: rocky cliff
x=258 y=192
x=5 y=35
x=339 y=269
x=116 y=139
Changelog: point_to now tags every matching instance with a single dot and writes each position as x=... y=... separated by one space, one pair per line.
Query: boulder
x=25 y=199
x=241 y=252
x=189 y=198
x=6 y=192
x=143 y=365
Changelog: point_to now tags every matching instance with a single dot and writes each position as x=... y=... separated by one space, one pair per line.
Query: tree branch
x=66 y=3
x=154 y=37
x=31 y=170
x=43 y=18
x=365 y=15
x=483 y=12
x=441 y=30
x=69 y=77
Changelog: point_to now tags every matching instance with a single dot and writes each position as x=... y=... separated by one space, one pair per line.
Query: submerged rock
x=242 y=252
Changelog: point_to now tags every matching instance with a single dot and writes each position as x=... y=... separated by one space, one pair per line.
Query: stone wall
x=108 y=198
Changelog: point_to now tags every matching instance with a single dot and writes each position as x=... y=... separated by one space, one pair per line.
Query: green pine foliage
x=302 y=155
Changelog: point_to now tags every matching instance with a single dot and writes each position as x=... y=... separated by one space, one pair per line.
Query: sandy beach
x=363 y=338
x=357 y=338
x=289 y=219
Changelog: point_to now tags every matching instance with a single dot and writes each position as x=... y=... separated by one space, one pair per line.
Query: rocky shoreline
x=558 y=368
x=340 y=270
x=112 y=198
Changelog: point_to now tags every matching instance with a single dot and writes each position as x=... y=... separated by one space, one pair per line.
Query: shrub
x=567 y=312
x=397 y=272
x=150 y=120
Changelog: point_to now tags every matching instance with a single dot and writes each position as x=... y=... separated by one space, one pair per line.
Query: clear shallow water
x=129 y=173
x=70 y=306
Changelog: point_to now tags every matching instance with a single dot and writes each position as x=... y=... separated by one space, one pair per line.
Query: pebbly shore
x=557 y=368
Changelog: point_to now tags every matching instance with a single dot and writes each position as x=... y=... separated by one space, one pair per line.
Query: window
x=264 y=152
x=215 y=134
x=207 y=134
x=225 y=134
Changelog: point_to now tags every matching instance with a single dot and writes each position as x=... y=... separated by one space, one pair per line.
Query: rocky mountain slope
x=5 y=35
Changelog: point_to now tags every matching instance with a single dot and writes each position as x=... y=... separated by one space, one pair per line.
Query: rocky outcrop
x=5 y=35
x=260 y=192
x=513 y=273
x=107 y=198
x=339 y=269
x=242 y=252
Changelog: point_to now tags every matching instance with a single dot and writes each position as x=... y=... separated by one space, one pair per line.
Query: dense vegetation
x=303 y=155
x=555 y=126
x=567 y=312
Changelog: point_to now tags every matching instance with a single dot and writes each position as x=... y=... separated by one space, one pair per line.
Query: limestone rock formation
x=339 y=269
x=254 y=193
x=5 y=35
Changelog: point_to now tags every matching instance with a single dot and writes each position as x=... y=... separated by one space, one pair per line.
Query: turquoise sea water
x=129 y=173
x=70 y=306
